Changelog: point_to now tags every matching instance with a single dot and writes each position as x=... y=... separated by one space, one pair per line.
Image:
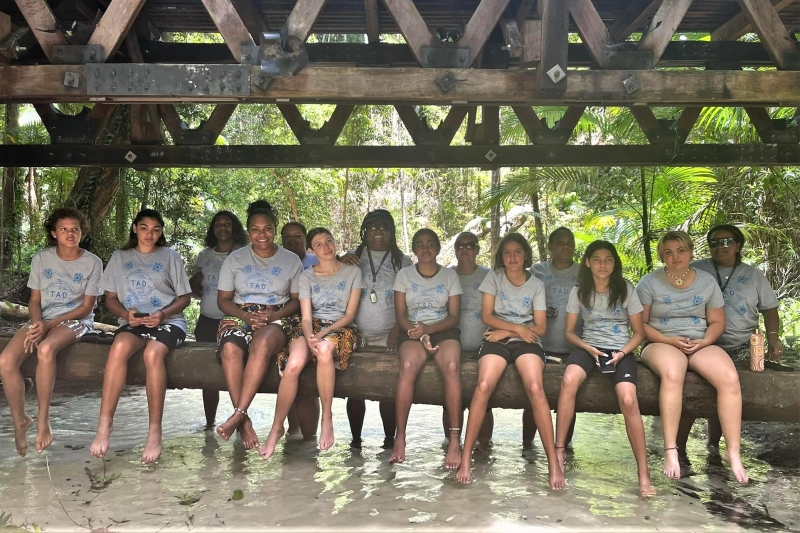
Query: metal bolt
x=556 y=74
x=238 y=87
x=205 y=88
x=93 y=54
x=113 y=72
x=146 y=86
x=146 y=72
x=130 y=72
x=238 y=74
x=462 y=59
x=221 y=87
x=97 y=73
x=97 y=86
x=130 y=87
x=113 y=86
x=59 y=53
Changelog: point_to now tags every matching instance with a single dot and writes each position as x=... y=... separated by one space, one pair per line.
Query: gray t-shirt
x=471 y=325
x=147 y=282
x=427 y=299
x=514 y=304
x=63 y=284
x=557 y=284
x=209 y=262
x=259 y=280
x=679 y=312
x=376 y=320
x=329 y=294
x=747 y=294
x=604 y=327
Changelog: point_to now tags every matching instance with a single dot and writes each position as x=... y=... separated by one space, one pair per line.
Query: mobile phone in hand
x=606 y=366
x=141 y=315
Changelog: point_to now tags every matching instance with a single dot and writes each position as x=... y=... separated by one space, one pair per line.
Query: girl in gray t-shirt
x=64 y=287
x=147 y=289
x=610 y=310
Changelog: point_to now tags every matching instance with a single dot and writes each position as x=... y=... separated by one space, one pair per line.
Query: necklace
x=678 y=279
x=261 y=262
x=423 y=276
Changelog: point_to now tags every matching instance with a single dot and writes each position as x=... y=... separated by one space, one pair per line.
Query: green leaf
x=237 y=495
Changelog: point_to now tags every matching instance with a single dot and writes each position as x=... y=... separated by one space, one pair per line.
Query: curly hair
x=61 y=213
x=238 y=234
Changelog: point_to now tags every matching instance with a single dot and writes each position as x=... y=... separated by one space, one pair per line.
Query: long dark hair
x=382 y=215
x=519 y=239
x=738 y=237
x=261 y=207
x=133 y=241
x=617 y=287
x=430 y=233
x=238 y=234
x=60 y=214
x=314 y=232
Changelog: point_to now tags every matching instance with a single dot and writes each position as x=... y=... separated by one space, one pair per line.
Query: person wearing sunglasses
x=747 y=295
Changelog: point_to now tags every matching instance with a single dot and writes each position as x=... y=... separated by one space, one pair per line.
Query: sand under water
x=204 y=483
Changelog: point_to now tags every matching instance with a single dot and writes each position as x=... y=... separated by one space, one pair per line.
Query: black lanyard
x=372 y=265
x=719 y=279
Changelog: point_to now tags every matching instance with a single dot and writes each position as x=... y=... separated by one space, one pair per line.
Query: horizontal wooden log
x=21 y=312
x=767 y=396
x=477 y=155
x=45 y=83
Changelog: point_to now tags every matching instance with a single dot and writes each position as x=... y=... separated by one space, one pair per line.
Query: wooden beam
x=251 y=16
x=145 y=129
x=529 y=120
x=538 y=131
x=115 y=25
x=303 y=16
x=480 y=26
x=5 y=25
x=531 y=43
x=652 y=128
x=632 y=18
x=411 y=25
x=451 y=123
x=770 y=30
x=230 y=25
x=523 y=11
x=422 y=134
x=662 y=27
x=686 y=122
x=373 y=21
x=372 y=375
x=762 y=122
x=169 y=115
x=551 y=74
x=43 y=24
x=592 y=30
x=327 y=134
x=298 y=124
x=330 y=131
x=740 y=24
x=218 y=119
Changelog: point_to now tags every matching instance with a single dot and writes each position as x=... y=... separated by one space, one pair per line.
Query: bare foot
x=557 y=481
x=452 y=460
x=464 y=473
x=44 y=436
x=672 y=465
x=100 y=443
x=152 y=449
x=398 y=451
x=736 y=465
x=646 y=490
x=326 y=435
x=21 y=435
x=226 y=429
x=561 y=455
x=268 y=448
x=249 y=437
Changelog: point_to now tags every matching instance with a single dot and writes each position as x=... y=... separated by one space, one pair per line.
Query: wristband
x=163 y=315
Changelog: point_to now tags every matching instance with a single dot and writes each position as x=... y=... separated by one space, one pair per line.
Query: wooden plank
x=42 y=23
x=303 y=16
x=251 y=16
x=523 y=11
x=555 y=35
x=373 y=22
x=532 y=43
x=592 y=30
x=355 y=85
x=230 y=25
x=650 y=125
x=335 y=124
x=529 y=120
x=762 y=122
x=480 y=26
x=766 y=396
x=770 y=30
x=451 y=123
x=145 y=129
x=115 y=25
x=740 y=24
x=169 y=115
x=294 y=119
x=632 y=18
x=5 y=25
x=662 y=27
x=686 y=122
x=218 y=119
x=411 y=24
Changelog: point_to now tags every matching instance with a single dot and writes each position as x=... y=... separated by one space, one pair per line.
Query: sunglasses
x=466 y=245
x=725 y=243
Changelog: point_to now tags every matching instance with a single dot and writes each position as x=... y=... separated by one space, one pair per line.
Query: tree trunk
x=648 y=253
x=290 y=196
x=32 y=206
x=402 y=176
x=541 y=241
x=13 y=196
x=495 y=214
x=345 y=242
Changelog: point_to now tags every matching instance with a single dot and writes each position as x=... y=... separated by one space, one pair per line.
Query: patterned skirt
x=345 y=341
x=234 y=329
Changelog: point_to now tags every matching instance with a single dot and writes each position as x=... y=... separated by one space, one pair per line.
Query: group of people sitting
x=261 y=301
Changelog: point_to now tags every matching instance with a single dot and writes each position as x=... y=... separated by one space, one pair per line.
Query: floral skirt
x=234 y=329
x=345 y=341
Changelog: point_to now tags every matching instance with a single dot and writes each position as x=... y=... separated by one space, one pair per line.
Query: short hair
x=468 y=233
x=238 y=234
x=560 y=229
x=314 y=232
x=519 y=239
x=681 y=236
x=429 y=232
x=738 y=236
x=133 y=240
x=295 y=223
x=261 y=207
x=60 y=214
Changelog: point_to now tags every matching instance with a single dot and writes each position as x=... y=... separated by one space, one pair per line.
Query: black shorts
x=626 y=368
x=170 y=336
x=510 y=351
x=206 y=329
x=436 y=338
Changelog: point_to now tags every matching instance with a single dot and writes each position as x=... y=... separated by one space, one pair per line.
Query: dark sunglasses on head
x=725 y=243
x=467 y=245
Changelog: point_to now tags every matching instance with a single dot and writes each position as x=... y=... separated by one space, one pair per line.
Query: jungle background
x=631 y=207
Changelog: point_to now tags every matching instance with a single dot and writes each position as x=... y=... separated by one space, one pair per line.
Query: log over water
x=372 y=375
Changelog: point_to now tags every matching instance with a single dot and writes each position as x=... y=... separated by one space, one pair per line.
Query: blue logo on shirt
x=316 y=288
x=276 y=271
x=78 y=277
x=697 y=300
x=155 y=301
x=129 y=265
x=742 y=280
x=440 y=289
x=663 y=321
x=667 y=300
x=48 y=273
x=248 y=269
x=526 y=301
x=696 y=320
x=616 y=329
x=158 y=267
x=413 y=287
x=342 y=285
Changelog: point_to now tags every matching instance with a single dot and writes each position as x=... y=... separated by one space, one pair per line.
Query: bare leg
x=287 y=391
x=684 y=428
x=210 y=404
x=388 y=412
x=412 y=359
x=528 y=427
x=56 y=340
x=233 y=369
x=490 y=370
x=14 y=387
x=485 y=434
x=156 y=385
x=326 y=378
x=714 y=433
x=308 y=412
x=448 y=359
x=291 y=417
x=531 y=370
x=574 y=376
x=716 y=366
x=116 y=372
x=670 y=365
x=356 y=410
x=629 y=405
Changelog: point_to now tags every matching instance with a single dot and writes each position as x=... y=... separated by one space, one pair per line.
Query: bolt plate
x=445 y=57
x=167 y=80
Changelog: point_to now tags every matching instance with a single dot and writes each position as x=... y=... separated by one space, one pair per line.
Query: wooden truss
x=508 y=53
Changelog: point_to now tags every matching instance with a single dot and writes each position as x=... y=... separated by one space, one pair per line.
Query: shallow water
x=193 y=485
